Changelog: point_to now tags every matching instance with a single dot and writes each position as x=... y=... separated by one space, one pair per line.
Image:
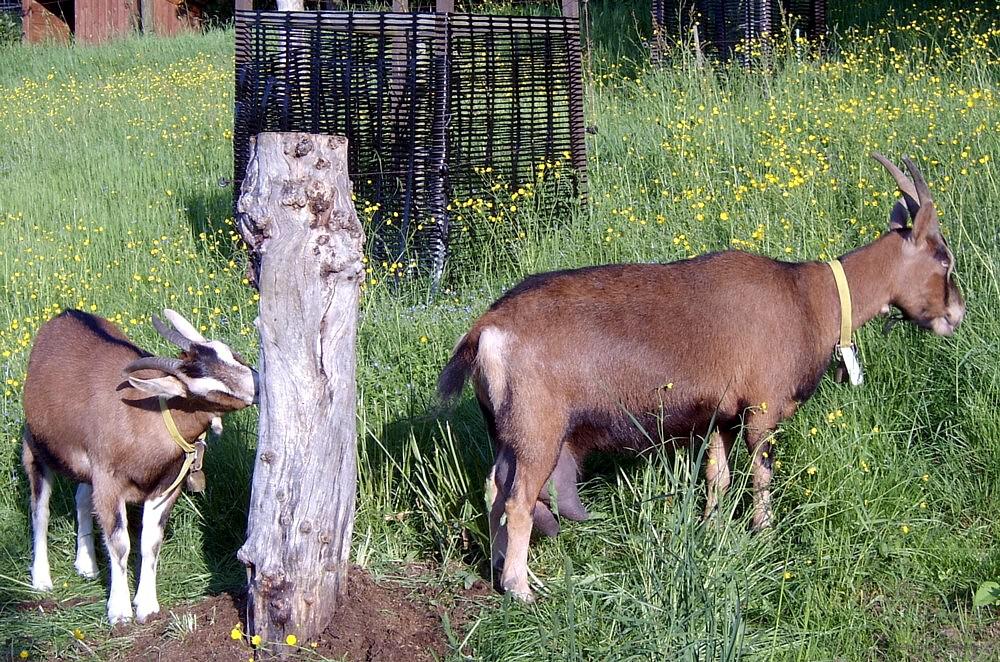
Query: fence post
x=296 y=215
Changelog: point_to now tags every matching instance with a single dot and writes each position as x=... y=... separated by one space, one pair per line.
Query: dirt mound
x=379 y=621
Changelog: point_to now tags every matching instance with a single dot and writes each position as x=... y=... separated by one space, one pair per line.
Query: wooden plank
x=46 y=20
x=97 y=21
x=170 y=17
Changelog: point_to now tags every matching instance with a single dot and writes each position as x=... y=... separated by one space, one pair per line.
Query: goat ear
x=899 y=217
x=166 y=386
x=925 y=225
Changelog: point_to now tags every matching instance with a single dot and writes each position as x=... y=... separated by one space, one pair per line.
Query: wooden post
x=571 y=8
x=291 y=5
x=244 y=4
x=296 y=215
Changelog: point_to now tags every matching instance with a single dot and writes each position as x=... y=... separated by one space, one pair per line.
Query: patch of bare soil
x=379 y=621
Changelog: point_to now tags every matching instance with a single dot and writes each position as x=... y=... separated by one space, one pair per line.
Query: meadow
x=113 y=199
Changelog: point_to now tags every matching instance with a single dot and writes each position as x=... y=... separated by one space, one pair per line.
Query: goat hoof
x=143 y=616
x=519 y=590
x=120 y=615
x=144 y=611
x=86 y=569
x=527 y=596
x=41 y=581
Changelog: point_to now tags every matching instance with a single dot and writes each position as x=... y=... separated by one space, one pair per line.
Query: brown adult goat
x=612 y=357
x=97 y=409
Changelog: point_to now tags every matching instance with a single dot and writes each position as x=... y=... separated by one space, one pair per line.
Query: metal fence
x=722 y=25
x=445 y=114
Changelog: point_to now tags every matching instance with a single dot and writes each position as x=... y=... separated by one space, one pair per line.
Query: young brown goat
x=92 y=410
x=614 y=357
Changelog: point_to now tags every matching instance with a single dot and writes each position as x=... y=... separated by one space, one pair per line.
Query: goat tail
x=458 y=369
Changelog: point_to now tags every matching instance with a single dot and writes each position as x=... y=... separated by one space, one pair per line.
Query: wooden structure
x=716 y=28
x=296 y=215
x=96 y=21
x=439 y=108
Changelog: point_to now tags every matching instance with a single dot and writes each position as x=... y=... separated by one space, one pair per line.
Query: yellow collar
x=844 y=292
x=185 y=445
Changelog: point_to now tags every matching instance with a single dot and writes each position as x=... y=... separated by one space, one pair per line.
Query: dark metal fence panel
x=724 y=24
x=437 y=109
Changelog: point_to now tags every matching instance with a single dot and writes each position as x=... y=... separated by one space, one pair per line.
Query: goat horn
x=905 y=186
x=923 y=192
x=171 y=336
x=163 y=364
x=183 y=326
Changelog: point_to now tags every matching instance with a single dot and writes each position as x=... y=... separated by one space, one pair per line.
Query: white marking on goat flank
x=491 y=358
x=86 y=558
x=41 y=577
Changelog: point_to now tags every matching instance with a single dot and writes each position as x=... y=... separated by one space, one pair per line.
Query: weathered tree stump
x=296 y=215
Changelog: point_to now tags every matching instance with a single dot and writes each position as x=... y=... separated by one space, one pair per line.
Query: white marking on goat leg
x=154 y=519
x=717 y=474
x=117 y=542
x=492 y=362
x=86 y=558
x=41 y=577
x=514 y=579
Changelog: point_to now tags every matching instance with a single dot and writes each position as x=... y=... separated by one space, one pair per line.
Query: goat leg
x=86 y=558
x=40 y=484
x=154 y=520
x=114 y=523
x=563 y=482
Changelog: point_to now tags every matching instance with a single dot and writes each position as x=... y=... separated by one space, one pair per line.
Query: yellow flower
x=78 y=634
x=291 y=640
x=236 y=633
x=787 y=575
x=925 y=478
x=905 y=529
x=23 y=655
x=423 y=340
x=811 y=471
x=724 y=215
x=255 y=640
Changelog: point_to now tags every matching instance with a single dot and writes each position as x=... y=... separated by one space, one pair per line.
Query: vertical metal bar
x=577 y=131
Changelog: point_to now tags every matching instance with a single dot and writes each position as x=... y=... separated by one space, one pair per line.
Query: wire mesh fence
x=447 y=116
x=717 y=28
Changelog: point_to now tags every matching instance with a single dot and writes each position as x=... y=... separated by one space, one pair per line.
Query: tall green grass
x=886 y=496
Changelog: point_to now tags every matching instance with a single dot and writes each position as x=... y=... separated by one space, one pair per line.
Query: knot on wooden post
x=298 y=219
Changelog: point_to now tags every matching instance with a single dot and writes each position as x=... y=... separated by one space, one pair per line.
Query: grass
x=886 y=496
